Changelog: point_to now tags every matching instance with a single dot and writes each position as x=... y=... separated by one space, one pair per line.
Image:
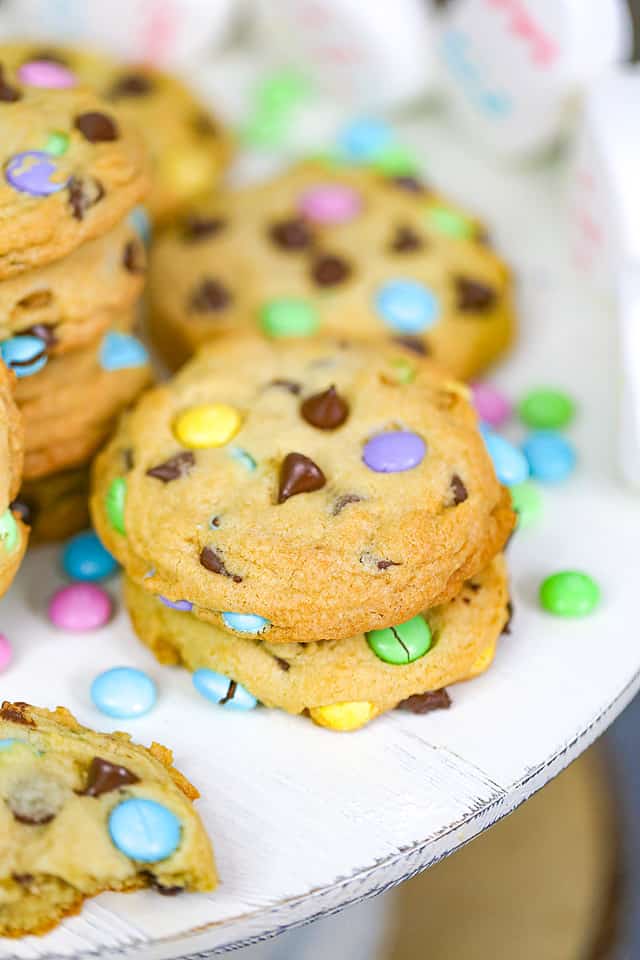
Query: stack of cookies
x=313 y=525
x=71 y=271
x=13 y=533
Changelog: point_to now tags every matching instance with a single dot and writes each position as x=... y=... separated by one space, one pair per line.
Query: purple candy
x=31 y=172
x=184 y=605
x=79 y=607
x=394 y=451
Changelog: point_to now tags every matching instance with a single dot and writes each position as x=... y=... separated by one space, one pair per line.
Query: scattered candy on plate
x=569 y=593
x=80 y=607
x=124 y=692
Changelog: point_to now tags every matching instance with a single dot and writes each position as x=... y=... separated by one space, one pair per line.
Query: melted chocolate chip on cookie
x=210 y=297
x=8 y=93
x=202 y=228
x=175 y=467
x=406 y=240
x=330 y=271
x=299 y=474
x=131 y=85
x=459 y=492
x=105 y=776
x=97 y=127
x=293 y=234
x=211 y=560
x=84 y=193
x=133 y=258
x=472 y=295
x=426 y=702
x=326 y=410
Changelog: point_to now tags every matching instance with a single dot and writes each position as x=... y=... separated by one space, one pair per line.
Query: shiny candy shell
x=288 y=317
x=144 y=830
x=407 y=306
x=123 y=692
x=569 y=593
x=403 y=643
x=394 y=451
x=207 y=425
x=546 y=409
x=509 y=463
x=364 y=139
x=449 y=222
x=84 y=558
x=184 y=606
x=45 y=73
x=492 y=406
x=222 y=690
x=245 y=622
x=80 y=607
x=119 y=351
x=34 y=172
x=527 y=503
x=9 y=531
x=330 y=203
x=24 y=354
x=550 y=456
x=343 y=716
x=115 y=501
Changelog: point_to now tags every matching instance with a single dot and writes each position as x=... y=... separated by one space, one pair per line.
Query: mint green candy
x=569 y=594
x=9 y=532
x=526 y=500
x=450 y=222
x=57 y=144
x=288 y=317
x=403 y=643
x=115 y=502
x=546 y=409
x=282 y=90
x=395 y=160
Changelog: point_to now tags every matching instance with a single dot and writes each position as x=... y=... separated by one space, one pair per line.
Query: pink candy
x=44 y=73
x=81 y=606
x=330 y=203
x=491 y=404
x=6 y=652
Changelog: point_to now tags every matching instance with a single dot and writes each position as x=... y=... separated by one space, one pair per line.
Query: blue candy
x=84 y=558
x=550 y=456
x=245 y=622
x=364 y=139
x=144 y=830
x=6 y=743
x=220 y=689
x=123 y=692
x=139 y=220
x=120 y=350
x=509 y=463
x=407 y=306
x=25 y=354
x=242 y=457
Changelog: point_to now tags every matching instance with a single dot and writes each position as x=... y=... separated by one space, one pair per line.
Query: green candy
x=404 y=372
x=282 y=90
x=546 y=409
x=569 y=594
x=526 y=500
x=288 y=317
x=450 y=222
x=57 y=144
x=9 y=531
x=403 y=643
x=395 y=161
x=114 y=503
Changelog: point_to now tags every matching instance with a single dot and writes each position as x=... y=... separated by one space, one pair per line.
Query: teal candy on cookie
x=119 y=351
x=223 y=690
x=407 y=306
x=245 y=622
x=24 y=354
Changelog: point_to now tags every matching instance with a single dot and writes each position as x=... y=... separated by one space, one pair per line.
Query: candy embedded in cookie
x=122 y=802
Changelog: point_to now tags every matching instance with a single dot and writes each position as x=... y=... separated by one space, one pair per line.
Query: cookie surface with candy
x=301 y=490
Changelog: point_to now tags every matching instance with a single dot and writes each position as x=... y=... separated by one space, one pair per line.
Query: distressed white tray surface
x=304 y=821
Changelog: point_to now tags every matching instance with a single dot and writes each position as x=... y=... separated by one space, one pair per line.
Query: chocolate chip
x=23 y=511
x=84 y=194
x=408 y=183
x=373 y=562
x=155 y=884
x=131 y=85
x=97 y=127
x=15 y=713
x=459 y=492
x=211 y=560
x=24 y=879
x=473 y=586
x=173 y=468
x=483 y=237
x=344 y=501
x=426 y=702
x=466 y=600
x=127 y=458
x=204 y=124
x=291 y=234
x=405 y=239
x=283 y=664
x=210 y=296
x=49 y=55
x=201 y=228
x=472 y=295
x=215 y=521
x=133 y=258
x=330 y=271
x=507 y=627
x=103 y=777
x=290 y=385
x=36 y=799
x=326 y=410
x=299 y=474
x=230 y=694
x=416 y=344
x=8 y=94
x=385 y=564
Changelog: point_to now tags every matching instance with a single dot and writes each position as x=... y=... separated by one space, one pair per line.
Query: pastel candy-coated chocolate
x=207 y=425
x=115 y=500
x=144 y=830
x=84 y=558
x=546 y=409
x=9 y=531
x=509 y=463
x=288 y=317
x=247 y=461
x=80 y=607
x=491 y=404
x=403 y=643
x=449 y=222
x=527 y=503
x=364 y=139
x=45 y=73
x=57 y=144
x=33 y=172
x=569 y=593
x=6 y=652
x=330 y=203
x=184 y=606
x=220 y=689
x=124 y=692
x=394 y=451
x=343 y=716
x=25 y=354
x=7 y=743
x=245 y=622
x=139 y=220
x=550 y=456
x=407 y=306
x=119 y=351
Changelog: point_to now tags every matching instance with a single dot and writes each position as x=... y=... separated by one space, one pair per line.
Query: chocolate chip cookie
x=343 y=251
x=55 y=506
x=13 y=532
x=301 y=490
x=82 y=812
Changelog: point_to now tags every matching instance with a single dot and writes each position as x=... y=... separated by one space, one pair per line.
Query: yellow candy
x=483 y=660
x=208 y=425
x=344 y=716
